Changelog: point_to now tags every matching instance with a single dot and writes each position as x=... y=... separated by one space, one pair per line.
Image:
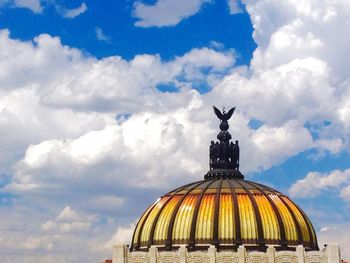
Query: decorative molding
x=330 y=254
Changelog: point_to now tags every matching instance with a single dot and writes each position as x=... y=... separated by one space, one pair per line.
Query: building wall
x=331 y=254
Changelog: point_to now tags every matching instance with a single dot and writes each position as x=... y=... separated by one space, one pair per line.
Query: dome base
x=223 y=173
x=330 y=254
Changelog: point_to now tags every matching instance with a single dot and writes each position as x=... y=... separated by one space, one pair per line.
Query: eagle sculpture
x=224 y=116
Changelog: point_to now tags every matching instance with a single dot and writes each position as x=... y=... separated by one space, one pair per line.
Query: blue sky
x=106 y=105
x=115 y=19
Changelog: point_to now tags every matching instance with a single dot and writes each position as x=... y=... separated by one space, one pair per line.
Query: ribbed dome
x=225 y=213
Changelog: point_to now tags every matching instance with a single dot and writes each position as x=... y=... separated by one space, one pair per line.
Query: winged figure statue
x=224 y=116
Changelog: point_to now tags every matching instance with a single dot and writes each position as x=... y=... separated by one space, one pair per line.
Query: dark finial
x=224 y=154
x=224 y=116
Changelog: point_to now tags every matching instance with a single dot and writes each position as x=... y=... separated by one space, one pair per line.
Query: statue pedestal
x=223 y=173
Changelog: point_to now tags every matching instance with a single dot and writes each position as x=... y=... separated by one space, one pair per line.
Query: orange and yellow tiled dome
x=226 y=213
x=224 y=209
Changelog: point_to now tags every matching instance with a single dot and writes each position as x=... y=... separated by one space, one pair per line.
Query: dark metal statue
x=224 y=116
x=224 y=154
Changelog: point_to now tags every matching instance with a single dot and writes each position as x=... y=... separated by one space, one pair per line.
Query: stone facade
x=331 y=254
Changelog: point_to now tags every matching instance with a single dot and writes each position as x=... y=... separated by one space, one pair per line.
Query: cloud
x=118 y=151
x=68 y=214
x=345 y=193
x=274 y=145
x=123 y=235
x=69 y=221
x=314 y=183
x=37 y=7
x=114 y=146
x=235 y=7
x=34 y=5
x=299 y=89
x=84 y=91
x=165 y=12
x=306 y=30
x=34 y=236
x=81 y=127
x=141 y=75
x=48 y=56
x=336 y=233
x=332 y=145
x=100 y=35
x=74 y=12
x=32 y=243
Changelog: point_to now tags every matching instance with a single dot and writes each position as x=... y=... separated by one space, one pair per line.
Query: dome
x=224 y=209
x=225 y=212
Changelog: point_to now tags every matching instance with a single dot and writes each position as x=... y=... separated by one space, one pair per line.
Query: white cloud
x=336 y=233
x=306 y=29
x=74 y=84
x=116 y=146
x=206 y=57
x=315 y=182
x=343 y=111
x=235 y=6
x=173 y=138
x=34 y=5
x=32 y=243
x=334 y=146
x=345 y=193
x=295 y=88
x=274 y=145
x=43 y=54
x=100 y=35
x=66 y=146
x=37 y=7
x=165 y=12
x=101 y=84
x=74 y=12
x=68 y=214
x=34 y=236
x=123 y=235
x=69 y=221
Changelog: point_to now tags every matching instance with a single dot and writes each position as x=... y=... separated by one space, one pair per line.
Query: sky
x=107 y=105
